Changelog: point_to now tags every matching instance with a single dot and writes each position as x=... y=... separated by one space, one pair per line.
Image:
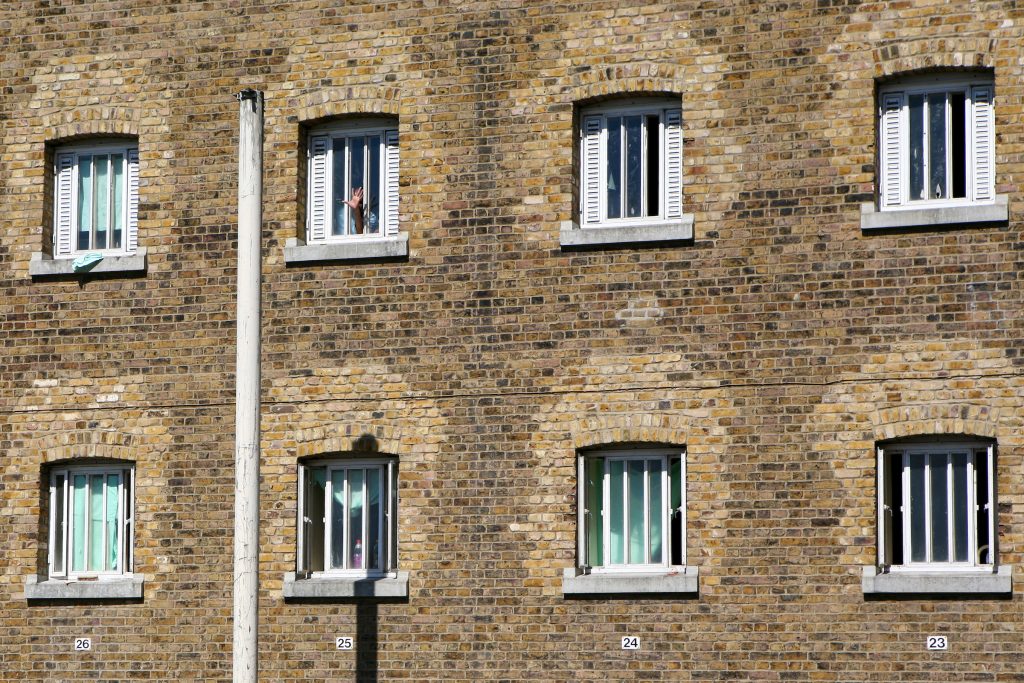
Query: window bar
x=949 y=155
x=105 y=541
x=647 y=500
x=990 y=455
x=623 y=208
x=328 y=518
x=350 y=229
x=109 y=227
x=928 y=509
x=606 y=516
x=642 y=203
x=908 y=547
x=951 y=511
x=364 y=521
x=66 y=532
x=346 y=496
x=972 y=508
x=666 y=518
x=926 y=147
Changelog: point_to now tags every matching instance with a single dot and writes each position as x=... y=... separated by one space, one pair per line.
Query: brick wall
x=778 y=347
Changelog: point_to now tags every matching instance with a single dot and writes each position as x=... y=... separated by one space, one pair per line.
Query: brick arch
x=933 y=53
x=349 y=438
x=949 y=418
x=626 y=79
x=607 y=430
x=84 y=445
x=91 y=121
x=356 y=99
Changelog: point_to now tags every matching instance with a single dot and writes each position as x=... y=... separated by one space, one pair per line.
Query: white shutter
x=317 y=207
x=300 y=523
x=63 y=205
x=983 y=139
x=673 y=164
x=890 y=141
x=993 y=544
x=391 y=182
x=581 y=513
x=885 y=512
x=590 y=190
x=131 y=237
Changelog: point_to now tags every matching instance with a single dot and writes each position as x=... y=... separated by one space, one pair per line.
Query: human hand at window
x=356 y=204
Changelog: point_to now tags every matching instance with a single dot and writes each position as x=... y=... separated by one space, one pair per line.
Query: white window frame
x=894 y=140
x=126 y=522
x=320 y=181
x=66 y=200
x=886 y=512
x=388 y=468
x=593 y=133
x=585 y=514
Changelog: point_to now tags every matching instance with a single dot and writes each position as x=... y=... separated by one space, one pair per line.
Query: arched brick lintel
x=358 y=99
x=954 y=418
x=622 y=429
x=86 y=445
x=933 y=53
x=90 y=121
x=645 y=78
x=350 y=438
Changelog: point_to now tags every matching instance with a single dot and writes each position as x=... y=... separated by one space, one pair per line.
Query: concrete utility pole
x=247 y=387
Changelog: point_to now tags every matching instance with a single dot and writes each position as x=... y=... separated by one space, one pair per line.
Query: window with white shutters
x=96 y=198
x=936 y=142
x=353 y=181
x=631 y=164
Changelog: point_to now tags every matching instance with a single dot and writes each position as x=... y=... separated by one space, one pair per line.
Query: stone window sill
x=396 y=586
x=297 y=252
x=682 y=580
x=873 y=219
x=44 y=265
x=115 y=588
x=572 y=236
x=902 y=582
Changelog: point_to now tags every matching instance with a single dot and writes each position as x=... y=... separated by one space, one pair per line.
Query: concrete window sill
x=43 y=265
x=572 y=236
x=873 y=219
x=117 y=588
x=297 y=252
x=681 y=580
x=396 y=586
x=895 y=583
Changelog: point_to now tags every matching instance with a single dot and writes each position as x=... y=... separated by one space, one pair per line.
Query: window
x=347 y=517
x=96 y=198
x=937 y=142
x=353 y=181
x=91 y=521
x=633 y=510
x=936 y=506
x=631 y=164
